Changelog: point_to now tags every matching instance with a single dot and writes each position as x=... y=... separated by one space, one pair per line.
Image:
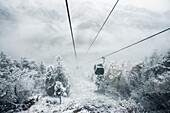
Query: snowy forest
x=35 y=87
x=84 y=56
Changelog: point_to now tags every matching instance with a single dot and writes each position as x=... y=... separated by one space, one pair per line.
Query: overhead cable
x=147 y=38
x=101 y=28
x=71 y=30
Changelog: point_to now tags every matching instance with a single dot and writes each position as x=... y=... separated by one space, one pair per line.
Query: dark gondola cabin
x=98 y=69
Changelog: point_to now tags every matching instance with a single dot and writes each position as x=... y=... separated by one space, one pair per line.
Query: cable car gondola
x=98 y=68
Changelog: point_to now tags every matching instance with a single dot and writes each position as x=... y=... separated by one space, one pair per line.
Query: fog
x=39 y=29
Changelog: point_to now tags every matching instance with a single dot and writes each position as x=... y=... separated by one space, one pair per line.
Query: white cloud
x=39 y=29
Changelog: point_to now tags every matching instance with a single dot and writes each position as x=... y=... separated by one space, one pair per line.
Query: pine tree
x=50 y=81
x=59 y=90
x=18 y=81
x=42 y=68
x=166 y=62
x=61 y=73
x=154 y=58
x=57 y=75
x=7 y=81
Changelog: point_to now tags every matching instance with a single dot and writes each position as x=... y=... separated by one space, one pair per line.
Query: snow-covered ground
x=83 y=96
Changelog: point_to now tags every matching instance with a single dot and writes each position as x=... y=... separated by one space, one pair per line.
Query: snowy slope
x=82 y=95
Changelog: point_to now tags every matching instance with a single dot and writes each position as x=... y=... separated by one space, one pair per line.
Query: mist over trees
x=143 y=87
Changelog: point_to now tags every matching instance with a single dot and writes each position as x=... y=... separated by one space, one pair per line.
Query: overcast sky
x=38 y=29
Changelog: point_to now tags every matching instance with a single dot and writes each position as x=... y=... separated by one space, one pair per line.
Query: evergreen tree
x=42 y=68
x=57 y=75
x=154 y=58
x=7 y=81
x=18 y=81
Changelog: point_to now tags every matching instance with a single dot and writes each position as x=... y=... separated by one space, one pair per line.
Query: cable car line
x=101 y=27
x=149 y=37
x=71 y=30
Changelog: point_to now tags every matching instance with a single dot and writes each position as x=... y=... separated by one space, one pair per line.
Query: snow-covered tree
x=28 y=65
x=99 y=81
x=59 y=90
x=150 y=84
x=62 y=75
x=19 y=80
x=136 y=77
x=130 y=106
x=115 y=80
x=55 y=75
x=7 y=81
x=147 y=82
x=154 y=58
x=42 y=68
